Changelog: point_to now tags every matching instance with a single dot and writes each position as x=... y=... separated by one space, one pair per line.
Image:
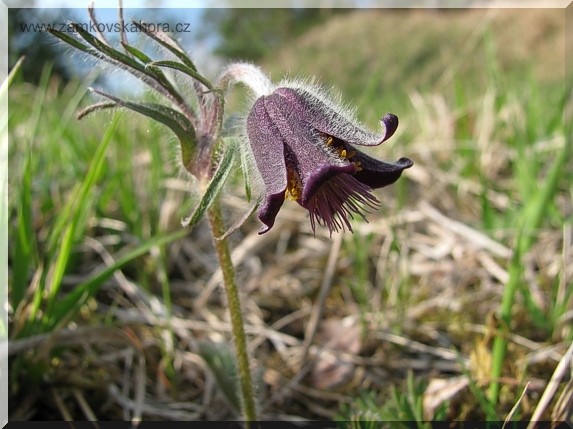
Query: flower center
x=294 y=187
x=342 y=152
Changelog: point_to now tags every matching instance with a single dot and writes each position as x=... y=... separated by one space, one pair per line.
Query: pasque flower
x=303 y=144
x=300 y=140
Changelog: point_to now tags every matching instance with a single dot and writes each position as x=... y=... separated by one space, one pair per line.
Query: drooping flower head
x=302 y=142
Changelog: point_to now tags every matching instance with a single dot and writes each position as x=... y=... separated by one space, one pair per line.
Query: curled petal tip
x=405 y=162
x=269 y=209
x=390 y=124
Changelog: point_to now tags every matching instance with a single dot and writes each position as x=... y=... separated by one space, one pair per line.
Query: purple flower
x=303 y=150
x=302 y=142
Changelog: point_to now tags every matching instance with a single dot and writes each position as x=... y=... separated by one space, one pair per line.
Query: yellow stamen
x=294 y=190
x=345 y=154
x=357 y=165
x=329 y=141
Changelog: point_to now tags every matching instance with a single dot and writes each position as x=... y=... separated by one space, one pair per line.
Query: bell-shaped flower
x=304 y=150
x=303 y=145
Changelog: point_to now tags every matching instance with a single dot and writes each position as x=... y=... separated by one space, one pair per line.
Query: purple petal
x=268 y=147
x=319 y=176
x=334 y=121
x=378 y=174
x=267 y=213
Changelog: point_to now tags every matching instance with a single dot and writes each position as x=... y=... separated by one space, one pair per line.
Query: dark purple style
x=304 y=151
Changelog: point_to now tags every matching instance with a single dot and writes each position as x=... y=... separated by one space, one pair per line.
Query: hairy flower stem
x=218 y=229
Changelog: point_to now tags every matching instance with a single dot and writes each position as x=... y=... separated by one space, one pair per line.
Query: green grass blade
x=38 y=106
x=81 y=204
x=220 y=361
x=18 y=290
x=60 y=223
x=533 y=215
x=500 y=341
x=33 y=124
x=53 y=241
x=535 y=212
x=6 y=84
x=486 y=405
x=72 y=302
x=24 y=243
